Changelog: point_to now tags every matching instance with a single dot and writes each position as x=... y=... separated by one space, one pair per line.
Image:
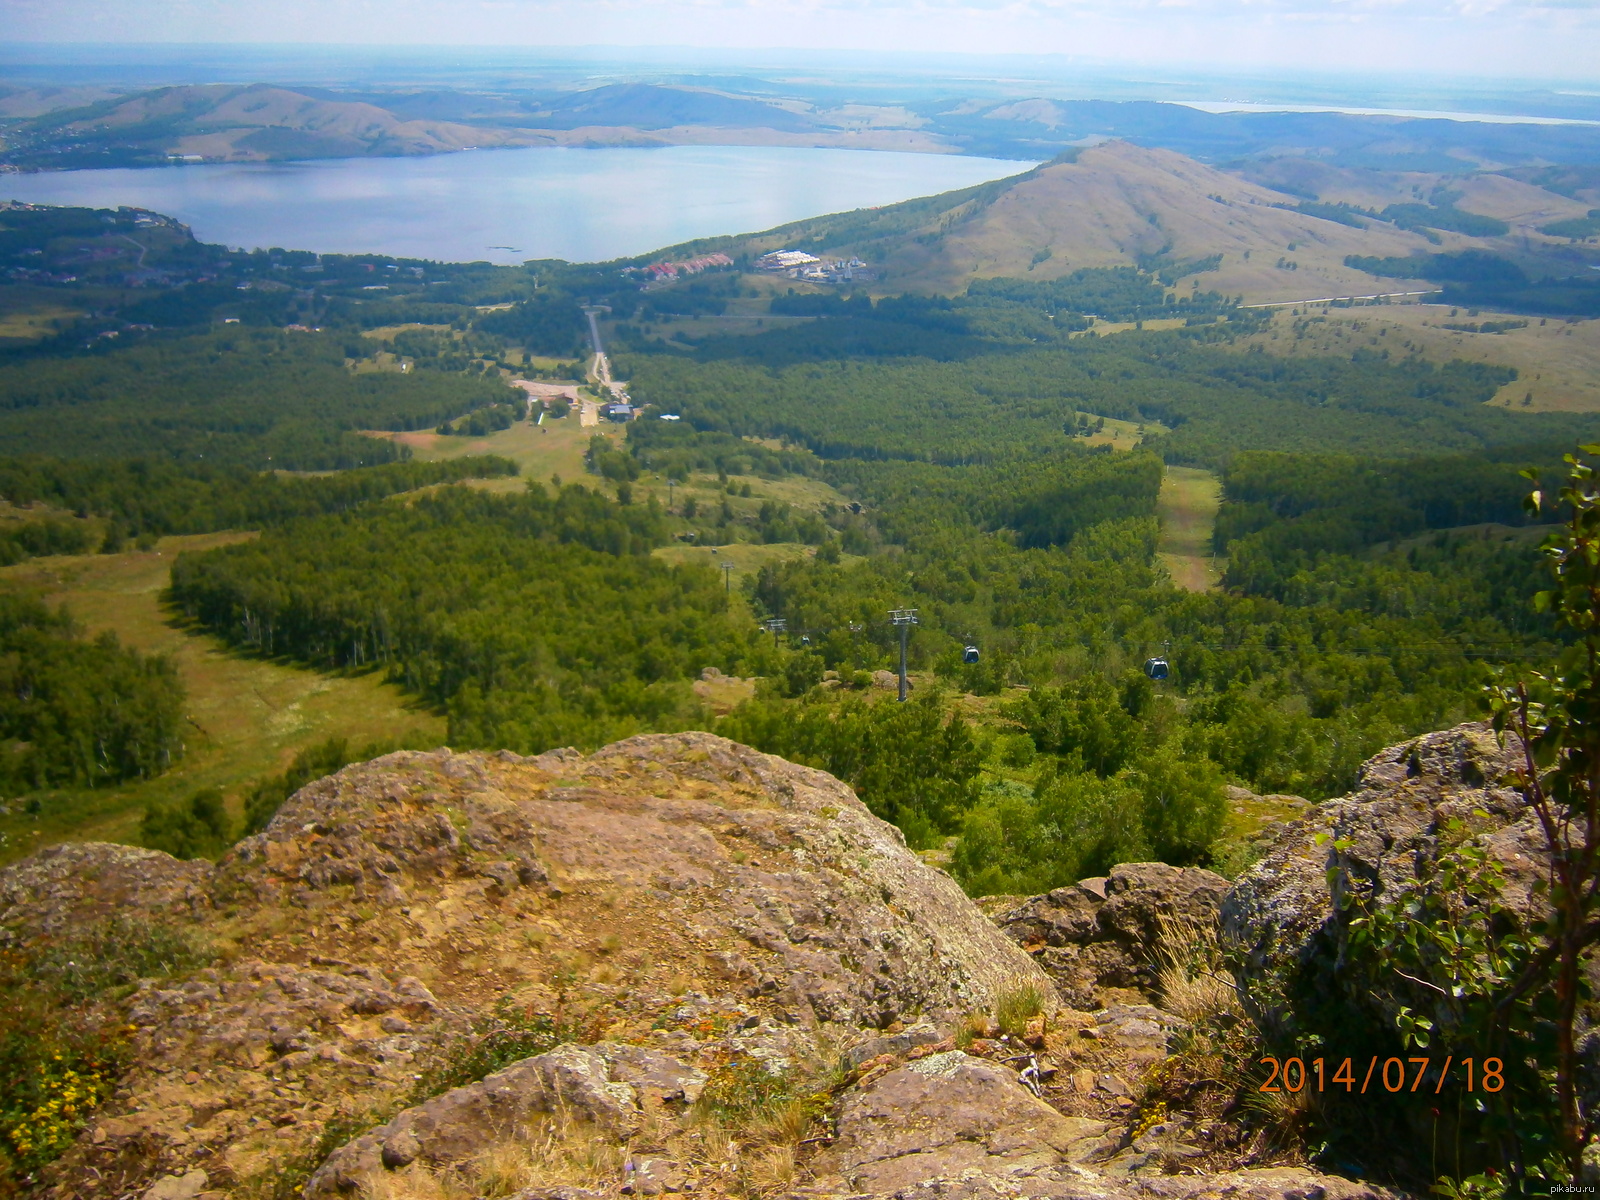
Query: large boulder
x=608 y=1086
x=1100 y=933
x=1289 y=912
x=680 y=892
x=945 y=1115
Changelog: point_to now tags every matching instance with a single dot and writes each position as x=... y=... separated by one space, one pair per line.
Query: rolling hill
x=218 y=122
x=93 y=124
x=1120 y=204
x=261 y=122
x=1123 y=204
x=1114 y=204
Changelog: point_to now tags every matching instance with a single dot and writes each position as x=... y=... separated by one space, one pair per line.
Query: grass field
x=1557 y=362
x=747 y=557
x=247 y=717
x=557 y=448
x=1188 y=507
x=1123 y=435
x=540 y=451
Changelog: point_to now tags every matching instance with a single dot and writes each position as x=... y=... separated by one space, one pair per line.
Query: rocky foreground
x=746 y=985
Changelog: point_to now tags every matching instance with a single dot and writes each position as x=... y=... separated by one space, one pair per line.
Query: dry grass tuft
x=1189 y=970
x=551 y=1154
x=773 y=1169
x=413 y=1183
x=786 y=1125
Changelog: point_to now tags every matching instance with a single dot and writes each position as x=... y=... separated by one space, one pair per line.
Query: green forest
x=1378 y=558
x=76 y=711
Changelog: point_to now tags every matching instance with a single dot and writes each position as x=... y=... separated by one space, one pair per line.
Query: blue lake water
x=506 y=206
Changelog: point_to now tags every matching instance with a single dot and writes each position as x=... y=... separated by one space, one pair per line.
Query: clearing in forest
x=247 y=717
x=555 y=448
x=1187 y=506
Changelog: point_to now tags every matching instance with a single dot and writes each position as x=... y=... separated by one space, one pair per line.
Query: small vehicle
x=970 y=654
x=1156 y=668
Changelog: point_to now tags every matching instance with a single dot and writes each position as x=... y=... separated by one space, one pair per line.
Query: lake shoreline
x=580 y=205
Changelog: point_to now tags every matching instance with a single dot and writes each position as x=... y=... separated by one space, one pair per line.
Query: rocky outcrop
x=1098 y=933
x=67 y=888
x=691 y=915
x=1073 y=1183
x=680 y=892
x=609 y=1086
x=1411 y=801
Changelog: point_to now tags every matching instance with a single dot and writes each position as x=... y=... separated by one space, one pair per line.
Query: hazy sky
x=1548 y=39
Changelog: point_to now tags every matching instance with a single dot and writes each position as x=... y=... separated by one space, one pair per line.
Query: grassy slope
x=1119 y=201
x=1559 y=362
x=1188 y=507
x=247 y=717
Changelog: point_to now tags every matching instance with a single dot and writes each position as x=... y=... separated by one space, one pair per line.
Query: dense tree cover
x=1477 y=277
x=1461 y=266
x=993 y=313
x=1386 y=536
x=537 y=619
x=154 y=497
x=549 y=322
x=914 y=764
x=78 y=711
x=1444 y=216
x=1283 y=511
x=1043 y=498
x=51 y=535
x=538 y=623
x=1284 y=696
x=484 y=421
x=1356 y=612
x=1111 y=293
x=1217 y=401
x=1578 y=228
x=198 y=827
x=248 y=398
x=1075 y=824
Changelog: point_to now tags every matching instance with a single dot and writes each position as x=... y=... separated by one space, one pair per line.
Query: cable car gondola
x=970 y=654
x=1156 y=668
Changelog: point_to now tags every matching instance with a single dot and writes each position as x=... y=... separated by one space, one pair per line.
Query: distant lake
x=506 y=206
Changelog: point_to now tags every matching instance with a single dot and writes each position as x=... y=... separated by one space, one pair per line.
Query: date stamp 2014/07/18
x=1389 y=1074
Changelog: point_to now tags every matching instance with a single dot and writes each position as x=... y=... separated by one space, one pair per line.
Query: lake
x=506 y=206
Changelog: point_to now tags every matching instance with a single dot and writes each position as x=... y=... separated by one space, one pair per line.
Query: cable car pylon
x=904 y=619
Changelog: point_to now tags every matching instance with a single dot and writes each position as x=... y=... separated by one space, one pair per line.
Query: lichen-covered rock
x=1098 y=933
x=945 y=1115
x=1287 y=909
x=64 y=889
x=688 y=893
x=1074 y=1183
x=608 y=1086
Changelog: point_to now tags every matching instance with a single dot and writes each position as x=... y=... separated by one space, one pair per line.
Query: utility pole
x=905 y=618
x=727 y=578
x=775 y=626
x=669 y=493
